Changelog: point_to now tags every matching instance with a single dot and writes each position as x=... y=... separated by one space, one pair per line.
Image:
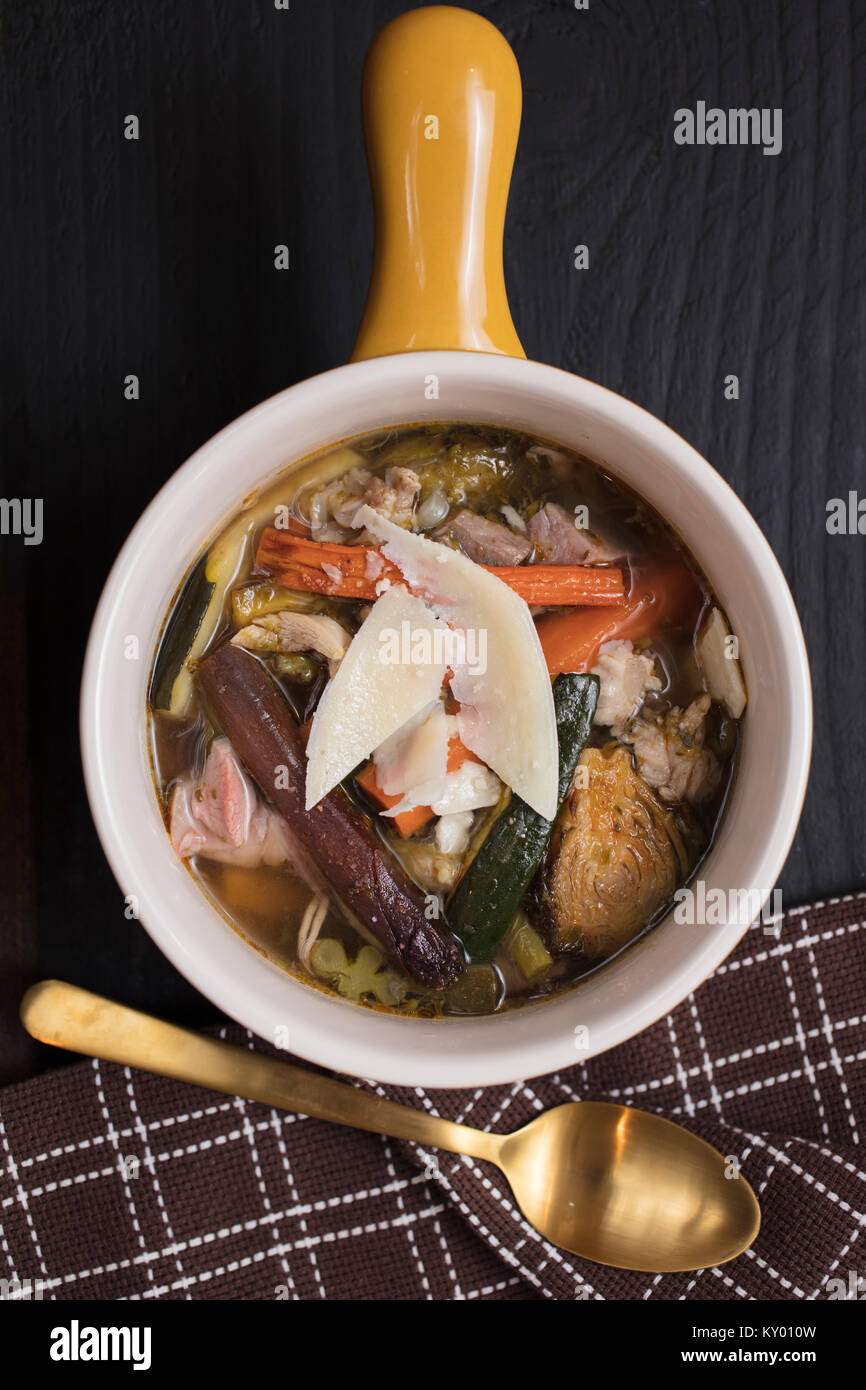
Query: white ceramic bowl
x=646 y=981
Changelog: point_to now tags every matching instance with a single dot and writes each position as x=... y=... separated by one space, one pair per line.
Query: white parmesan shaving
x=507 y=715
x=372 y=695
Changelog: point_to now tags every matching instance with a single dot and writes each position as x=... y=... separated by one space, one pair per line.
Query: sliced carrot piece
x=343 y=571
x=408 y=821
x=318 y=581
x=666 y=592
x=458 y=754
x=555 y=584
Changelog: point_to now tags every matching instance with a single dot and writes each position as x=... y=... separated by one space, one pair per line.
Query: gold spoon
x=615 y=1185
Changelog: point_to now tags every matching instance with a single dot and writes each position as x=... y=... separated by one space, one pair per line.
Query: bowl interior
x=763 y=807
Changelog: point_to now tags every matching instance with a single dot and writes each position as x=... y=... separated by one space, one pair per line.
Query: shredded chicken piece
x=402 y=486
x=670 y=752
x=452 y=832
x=333 y=508
x=626 y=676
x=289 y=631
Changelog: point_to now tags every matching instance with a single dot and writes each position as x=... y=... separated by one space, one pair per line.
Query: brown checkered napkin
x=119 y=1184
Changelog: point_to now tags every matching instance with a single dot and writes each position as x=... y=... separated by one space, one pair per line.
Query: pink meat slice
x=223 y=817
x=559 y=542
x=485 y=542
x=227 y=799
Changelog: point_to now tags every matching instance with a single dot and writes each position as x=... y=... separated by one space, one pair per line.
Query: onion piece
x=721 y=669
x=432 y=510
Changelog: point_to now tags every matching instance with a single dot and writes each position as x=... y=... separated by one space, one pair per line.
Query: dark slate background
x=156 y=258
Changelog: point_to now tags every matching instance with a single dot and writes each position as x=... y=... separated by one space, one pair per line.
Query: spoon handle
x=74 y=1019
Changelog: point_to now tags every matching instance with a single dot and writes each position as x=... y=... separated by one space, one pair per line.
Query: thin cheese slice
x=507 y=715
x=377 y=687
x=416 y=756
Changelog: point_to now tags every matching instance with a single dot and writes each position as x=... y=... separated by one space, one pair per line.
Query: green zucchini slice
x=180 y=633
x=486 y=899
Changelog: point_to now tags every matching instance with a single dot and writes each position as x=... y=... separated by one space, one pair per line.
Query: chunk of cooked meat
x=453 y=831
x=626 y=676
x=223 y=817
x=288 y=631
x=395 y=498
x=333 y=508
x=485 y=542
x=616 y=856
x=559 y=541
x=670 y=752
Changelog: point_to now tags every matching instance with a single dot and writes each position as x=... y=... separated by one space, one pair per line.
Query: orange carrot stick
x=318 y=581
x=555 y=584
x=347 y=571
x=408 y=821
x=666 y=592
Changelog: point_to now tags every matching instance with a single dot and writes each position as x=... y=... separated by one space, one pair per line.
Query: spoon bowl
x=615 y=1185
x=623 y=1187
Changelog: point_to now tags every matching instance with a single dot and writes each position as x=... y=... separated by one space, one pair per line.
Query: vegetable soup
x=443 y=719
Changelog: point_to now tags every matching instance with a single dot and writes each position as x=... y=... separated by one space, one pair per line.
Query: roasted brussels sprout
x=413 y=450
x=616 y=856
x=252 y=601
x=473 y=472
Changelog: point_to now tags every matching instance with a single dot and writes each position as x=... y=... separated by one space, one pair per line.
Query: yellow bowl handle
x=441 y=100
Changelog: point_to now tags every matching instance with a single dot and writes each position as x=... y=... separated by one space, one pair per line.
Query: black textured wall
x=155 y=257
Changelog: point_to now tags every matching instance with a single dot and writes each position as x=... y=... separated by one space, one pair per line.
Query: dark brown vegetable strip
x=363 y=875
